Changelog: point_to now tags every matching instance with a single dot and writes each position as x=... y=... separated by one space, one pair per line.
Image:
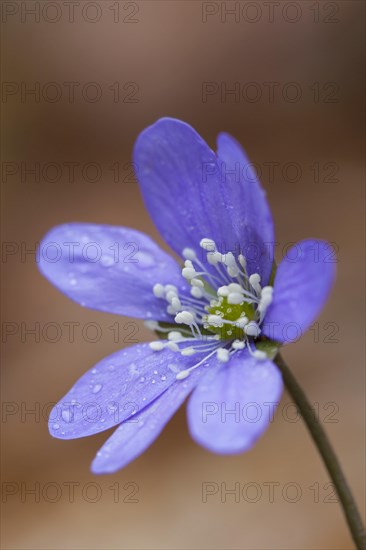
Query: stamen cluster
x=223 y=311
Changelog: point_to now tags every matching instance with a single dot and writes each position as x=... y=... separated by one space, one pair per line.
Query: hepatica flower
x=221 y=316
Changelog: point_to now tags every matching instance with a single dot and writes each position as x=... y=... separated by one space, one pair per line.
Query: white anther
x=252 y=329
x=238 y=344
x=215 y=320
x=176 y=304
x=168 y=288
x=267 y=290
x=242 y=261
x=188 y=272
x=174 y=335
x=235 y=298
x=198 y=283
x=266 y=300
x=196 y=292
x=229 y=260
x=189 y=254
x=188 y=351
x=223 y=355
x=182 y=374
x=188 y=263
x=223 y=291
x=151 y=325
x=233 y=271
x=213 y=258
x=254 y=281
x=241 y=322
x=234 y=287
x=159 y=291
x=208 y=244
x=171 y=310
x=171 y=295
x=185 y=318
x=172 y=346
x=156 y=346
x=260 y=355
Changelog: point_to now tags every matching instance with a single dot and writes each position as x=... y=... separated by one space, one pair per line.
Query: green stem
x=327 y=453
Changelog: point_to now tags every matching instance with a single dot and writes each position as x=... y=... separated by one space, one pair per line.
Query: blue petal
x=117 y=388
x=232 y=406
x=252 y=218
x=134 y=436
x=189 y=197
x=108 y=268
x=302 y=284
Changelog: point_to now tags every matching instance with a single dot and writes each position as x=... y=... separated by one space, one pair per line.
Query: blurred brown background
x=161 y=53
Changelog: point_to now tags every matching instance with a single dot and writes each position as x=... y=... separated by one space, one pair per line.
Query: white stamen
x=189 y=254
x=198 y=283
x=260 y=355
x=182 y=374
x=238 y=344
x=223 y=355
x=168 y=288
x=213 y=258
x=234 y=287
x=233 y=271
x=189 y=272
x=185 y=318
x=156 y=346
x=223 y=291
x=254 y=281
x=159 y=291
x=196 y=292
x=176 y=304
x=170 y=295
x=208 y=244
x=235 y=298
x=229 y=260
x=242 y=261
x=252 y=329
x=241 y=322
x=174 y=335
x=188 y=351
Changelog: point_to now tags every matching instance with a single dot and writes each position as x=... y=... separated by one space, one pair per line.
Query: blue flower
x=220 y=315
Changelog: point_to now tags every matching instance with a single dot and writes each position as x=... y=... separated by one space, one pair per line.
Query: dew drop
x=145 y=260
x=97 y=388
x=56 y=426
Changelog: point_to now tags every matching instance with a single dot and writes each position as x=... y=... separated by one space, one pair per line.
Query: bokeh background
x=161 y=54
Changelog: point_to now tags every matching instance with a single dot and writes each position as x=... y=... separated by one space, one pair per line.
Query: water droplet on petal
x=97 y=388
x=145 y=259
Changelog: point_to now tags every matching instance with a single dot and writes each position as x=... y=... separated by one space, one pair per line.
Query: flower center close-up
x=222 y=313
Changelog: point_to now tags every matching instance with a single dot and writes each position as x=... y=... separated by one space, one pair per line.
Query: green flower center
x=230 y=312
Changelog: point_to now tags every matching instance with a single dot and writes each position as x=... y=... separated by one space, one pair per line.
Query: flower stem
x=327 y=453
